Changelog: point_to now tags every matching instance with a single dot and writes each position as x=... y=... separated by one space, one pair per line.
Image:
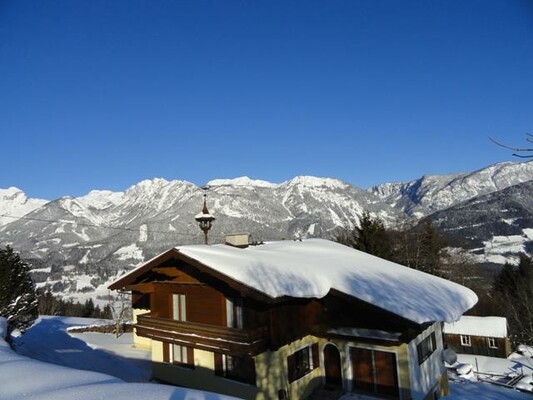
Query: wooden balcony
x=237 y=342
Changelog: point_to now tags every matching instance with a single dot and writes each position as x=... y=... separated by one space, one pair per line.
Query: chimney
x=240 y=240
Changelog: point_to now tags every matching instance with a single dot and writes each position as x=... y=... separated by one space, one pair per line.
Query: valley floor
x=113 y=369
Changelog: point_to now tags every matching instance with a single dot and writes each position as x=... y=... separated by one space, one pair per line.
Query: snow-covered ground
x=484 y=391
x=498 y=370
x=89 y=351
x=101 y=359
x=22 y=377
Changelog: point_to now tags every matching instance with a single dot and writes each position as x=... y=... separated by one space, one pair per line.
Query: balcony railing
x=238 y=342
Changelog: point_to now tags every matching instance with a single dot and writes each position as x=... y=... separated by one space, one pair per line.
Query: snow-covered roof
x=312 y=267
x=478 y=326
x=204 y=215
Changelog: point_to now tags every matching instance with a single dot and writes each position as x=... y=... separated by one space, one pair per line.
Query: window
x=182 y=355
x=178 y=354
x=492 y=343
x=426 y=347
x=234 y=313
x=179 y=307
x=240 y=369
x=465 y=340
x=302 y=362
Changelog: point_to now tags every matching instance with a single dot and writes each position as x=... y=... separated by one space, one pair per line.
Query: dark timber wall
x=479 y=346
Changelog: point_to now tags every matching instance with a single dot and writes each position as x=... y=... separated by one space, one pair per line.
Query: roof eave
x=130 y=277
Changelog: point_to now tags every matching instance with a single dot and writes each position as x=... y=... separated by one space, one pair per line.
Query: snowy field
x=23 y=377
x=91 y=366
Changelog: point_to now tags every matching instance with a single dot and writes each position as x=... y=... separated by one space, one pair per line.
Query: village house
x=484 y=336
x=281 y=319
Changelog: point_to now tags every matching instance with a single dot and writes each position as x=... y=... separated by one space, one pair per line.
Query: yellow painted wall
x=139 y=341
x=157 y=351
x=271 y=371
x=272 y=375
x=202 y=376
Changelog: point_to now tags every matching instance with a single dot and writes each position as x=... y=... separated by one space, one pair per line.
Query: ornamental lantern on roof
x=204 y=219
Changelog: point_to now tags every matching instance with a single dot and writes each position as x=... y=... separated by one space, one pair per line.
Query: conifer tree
x=89 y=309
x=513 y=293
x=431 y=245
x=18 y=302
x=370 y=236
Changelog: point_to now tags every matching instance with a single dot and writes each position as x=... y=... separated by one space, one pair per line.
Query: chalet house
x=281 y=319
x=484 y=336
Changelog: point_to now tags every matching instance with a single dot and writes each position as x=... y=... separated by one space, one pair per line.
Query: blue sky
x=102 y=94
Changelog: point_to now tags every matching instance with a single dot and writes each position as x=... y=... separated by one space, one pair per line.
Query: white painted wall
x=425 y=377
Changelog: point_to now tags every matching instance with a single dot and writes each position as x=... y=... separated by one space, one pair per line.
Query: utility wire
x=213 y=236
x=101 y=226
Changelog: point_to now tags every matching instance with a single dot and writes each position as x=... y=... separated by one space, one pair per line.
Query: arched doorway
x=332 y=365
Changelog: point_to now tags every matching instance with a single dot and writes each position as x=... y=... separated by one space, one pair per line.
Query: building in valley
x=484 y=336
x=279 y=320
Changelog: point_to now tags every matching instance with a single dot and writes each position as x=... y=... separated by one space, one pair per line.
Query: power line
x=216 y=236
x=101 y=226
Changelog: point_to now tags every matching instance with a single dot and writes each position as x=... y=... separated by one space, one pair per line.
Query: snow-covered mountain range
x=431 y=193
x=78 y=244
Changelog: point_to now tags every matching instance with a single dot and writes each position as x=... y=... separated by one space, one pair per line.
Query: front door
x=374 y=372
x=332 y=365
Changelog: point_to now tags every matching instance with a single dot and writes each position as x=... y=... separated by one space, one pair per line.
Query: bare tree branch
x=512 y=148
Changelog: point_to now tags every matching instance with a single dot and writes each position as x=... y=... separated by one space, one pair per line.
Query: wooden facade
x=202 y=311
x=480 y=345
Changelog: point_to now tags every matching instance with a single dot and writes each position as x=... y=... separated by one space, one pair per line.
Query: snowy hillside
x=432 y=193
x=497 y=226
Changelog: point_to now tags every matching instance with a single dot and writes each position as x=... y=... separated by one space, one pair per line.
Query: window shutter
x=291 y=368
x=166 y=352
x=249 y=365
x=316 y=358
x=219 y=369
x=190 y=355
x=419 y=353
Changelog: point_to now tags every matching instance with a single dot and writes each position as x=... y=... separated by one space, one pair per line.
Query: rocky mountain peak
x=14 y=202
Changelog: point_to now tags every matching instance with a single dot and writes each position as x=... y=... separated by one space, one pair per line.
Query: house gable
x=174 y=266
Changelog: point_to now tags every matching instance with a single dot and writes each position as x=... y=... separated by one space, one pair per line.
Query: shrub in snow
x=18 y=302
x=464 y=369
x=3 y=327
x=525 y=350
